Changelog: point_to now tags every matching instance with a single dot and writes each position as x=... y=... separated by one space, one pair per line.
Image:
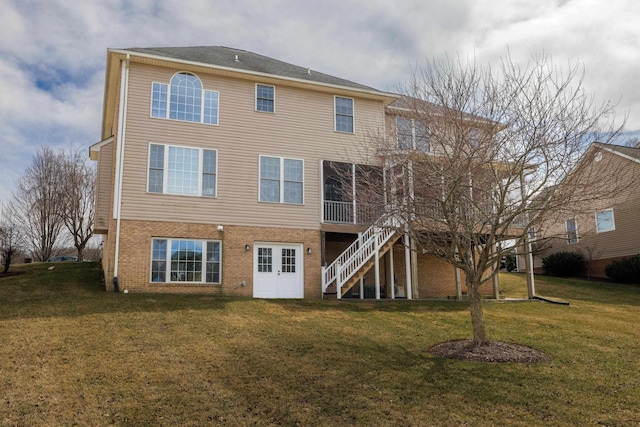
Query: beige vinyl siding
x=301 y=128
x=104 y=184
x=623 y=241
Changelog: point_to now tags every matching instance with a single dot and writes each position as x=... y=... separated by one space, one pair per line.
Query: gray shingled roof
x=247 y=61
x=628 y=151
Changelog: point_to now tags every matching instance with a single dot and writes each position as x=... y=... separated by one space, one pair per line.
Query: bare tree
x=493 y=155
x=37 y=201
x=77 y=198
x=11 y=240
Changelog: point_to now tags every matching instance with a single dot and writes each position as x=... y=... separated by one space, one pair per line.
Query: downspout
x=122 y=124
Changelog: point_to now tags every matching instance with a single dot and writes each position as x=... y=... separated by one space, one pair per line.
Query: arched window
x=184 y=99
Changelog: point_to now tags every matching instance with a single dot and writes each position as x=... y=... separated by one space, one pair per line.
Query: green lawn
x=74 y=355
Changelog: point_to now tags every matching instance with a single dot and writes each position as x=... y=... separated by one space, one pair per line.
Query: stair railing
x=357 y=254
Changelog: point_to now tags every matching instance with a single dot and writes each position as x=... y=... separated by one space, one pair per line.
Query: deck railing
x=343 y=212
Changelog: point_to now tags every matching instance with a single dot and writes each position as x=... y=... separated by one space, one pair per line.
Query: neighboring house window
x=412 y=135
x=281 y=180
x=605 y=221
x=572 y=231
x=344 y=114
x=474 y=137
x=265 y=98
x=184 y=99
x=182 y=170
x=189 y=261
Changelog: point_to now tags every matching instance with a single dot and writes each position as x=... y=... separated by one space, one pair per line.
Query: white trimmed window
x=265 y=98
x=605 y=221
x=412 y=135
x=182 y=170
x=184 y=99
x=344 y=114
x=281 y=180
x=572 y=230
x=186 y=261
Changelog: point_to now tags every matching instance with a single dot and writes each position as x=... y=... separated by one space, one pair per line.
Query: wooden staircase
x=347 y=270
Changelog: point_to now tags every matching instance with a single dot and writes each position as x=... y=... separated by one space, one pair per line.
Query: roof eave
x=94 y=149
x=386 y=97
x=610 y=149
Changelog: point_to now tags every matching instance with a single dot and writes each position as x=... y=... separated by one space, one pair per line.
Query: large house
x=223 y=171
x=608 y=228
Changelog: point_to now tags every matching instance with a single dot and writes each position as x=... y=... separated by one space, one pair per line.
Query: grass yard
x=74 y=355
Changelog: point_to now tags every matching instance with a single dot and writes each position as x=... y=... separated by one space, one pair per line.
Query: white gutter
x=122 y=125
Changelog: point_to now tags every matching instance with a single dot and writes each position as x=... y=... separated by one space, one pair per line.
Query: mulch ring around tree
x=491 y=352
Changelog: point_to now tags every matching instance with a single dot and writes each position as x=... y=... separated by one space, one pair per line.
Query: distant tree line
x=52 y=204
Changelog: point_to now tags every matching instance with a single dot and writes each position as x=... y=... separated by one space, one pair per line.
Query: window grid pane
x=293 y=181
x=213 y=262
x=293 y=193
x=265 y=98
x=269 y=190
x=270 y=167
x=269 y=179
x=344 y=114
x=211 y=107
x=186 y=93
x=182 y=176
x=288 y=260
x=265 y=260
x=186 y=261
x=159 y=100
x=159 y=260
x=184 y=99
x=156 y=168
x=209 y=173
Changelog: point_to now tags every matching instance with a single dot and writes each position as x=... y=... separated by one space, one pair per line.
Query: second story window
x=184 y=99
x=265 y=98
x=412 y=135
x=182 y=170
x=281 y=180
x=344 y=114
x=572 y=230
x=605 y=221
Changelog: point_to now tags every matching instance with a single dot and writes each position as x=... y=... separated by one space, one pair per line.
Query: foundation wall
x=134 y=266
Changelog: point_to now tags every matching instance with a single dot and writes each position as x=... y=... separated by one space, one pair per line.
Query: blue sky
x=52 y=52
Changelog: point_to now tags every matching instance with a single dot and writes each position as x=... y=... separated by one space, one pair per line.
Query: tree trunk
x=477 y=316
x=80 y=252
x=6 y=260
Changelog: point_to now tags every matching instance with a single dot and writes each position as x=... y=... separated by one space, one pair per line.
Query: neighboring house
x=222 y=171
x=609 y=229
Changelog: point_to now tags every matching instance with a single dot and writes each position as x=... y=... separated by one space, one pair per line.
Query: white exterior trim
x=122 y=125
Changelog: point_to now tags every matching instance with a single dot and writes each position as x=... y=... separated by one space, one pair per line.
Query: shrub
x=563 y=264
x=625 y=270
x=510 y=262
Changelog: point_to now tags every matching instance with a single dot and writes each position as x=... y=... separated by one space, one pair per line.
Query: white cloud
x=52 y=53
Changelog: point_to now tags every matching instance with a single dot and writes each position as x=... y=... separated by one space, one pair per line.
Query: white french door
x=277 y=271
